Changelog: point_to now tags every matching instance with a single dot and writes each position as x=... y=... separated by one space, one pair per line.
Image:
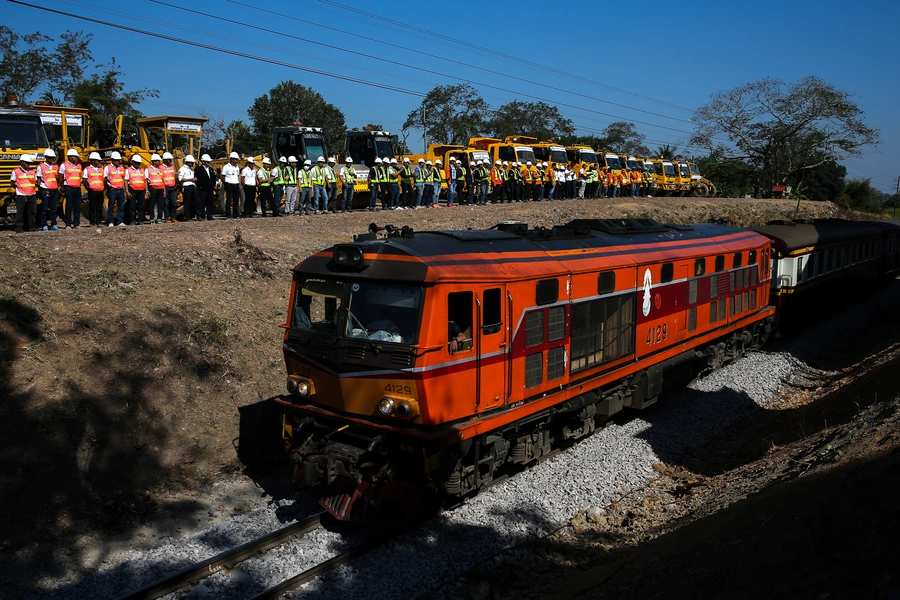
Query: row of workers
x=126 y=190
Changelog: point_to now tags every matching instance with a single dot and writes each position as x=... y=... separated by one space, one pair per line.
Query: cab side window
x=459 y=315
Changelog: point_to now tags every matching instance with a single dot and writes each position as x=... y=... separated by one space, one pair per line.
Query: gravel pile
x=597 y=471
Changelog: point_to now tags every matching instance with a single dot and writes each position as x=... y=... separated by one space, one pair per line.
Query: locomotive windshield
x=383 y=312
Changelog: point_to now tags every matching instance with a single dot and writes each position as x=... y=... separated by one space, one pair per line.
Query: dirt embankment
x=125 y=353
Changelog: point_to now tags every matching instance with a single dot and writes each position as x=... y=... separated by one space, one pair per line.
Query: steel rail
x=226 y=559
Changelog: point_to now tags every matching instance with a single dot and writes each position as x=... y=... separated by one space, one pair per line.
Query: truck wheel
x=701 y=191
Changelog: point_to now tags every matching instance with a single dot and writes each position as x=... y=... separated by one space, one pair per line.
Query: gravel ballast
x=595 y=472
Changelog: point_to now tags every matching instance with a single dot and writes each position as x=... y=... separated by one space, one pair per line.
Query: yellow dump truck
x=21 y=133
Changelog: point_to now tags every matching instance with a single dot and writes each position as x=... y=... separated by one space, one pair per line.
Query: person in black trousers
x=206 y=186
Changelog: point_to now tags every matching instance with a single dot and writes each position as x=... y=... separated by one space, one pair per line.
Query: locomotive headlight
x=386 y=406
x=403 y=409
x=300 y=386
x=348 y=255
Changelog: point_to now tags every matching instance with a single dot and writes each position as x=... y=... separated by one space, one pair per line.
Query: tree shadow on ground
x=57 y=466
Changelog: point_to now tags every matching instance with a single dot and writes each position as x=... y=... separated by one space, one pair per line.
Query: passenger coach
x=562 y=328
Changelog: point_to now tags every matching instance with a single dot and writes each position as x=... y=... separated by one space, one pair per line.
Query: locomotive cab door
x=492 y=347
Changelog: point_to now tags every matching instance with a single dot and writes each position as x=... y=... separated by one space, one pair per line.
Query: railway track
x=228 y=559
x=225 y=560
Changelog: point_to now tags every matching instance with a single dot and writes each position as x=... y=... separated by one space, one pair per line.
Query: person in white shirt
x=231 y=178
x=248 y=179
x=189 y=192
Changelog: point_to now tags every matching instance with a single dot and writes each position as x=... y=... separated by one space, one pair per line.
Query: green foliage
x=825 y=182
x=535 y=119
x=785 y=129
x=623 y=138
x=666 y=151
x=28 y=66
x=237 y=132
x=104 y=95
x=732 y=178
x=859 y=194
x=289 y=102
x=449 y=114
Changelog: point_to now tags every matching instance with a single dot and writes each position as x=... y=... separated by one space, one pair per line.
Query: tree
x=23 y=70
x=28 y=66
x=825 y=182
x=860 y=195
x=104 y=95
x=288 y=103
x=784 y=129
x=733 y=178
x=535 y=119
x=449 y=114
x=666 y=151
x=71 y=53
x=237 y=134
x=624 y=138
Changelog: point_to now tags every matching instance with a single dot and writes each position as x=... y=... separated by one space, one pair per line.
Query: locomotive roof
x=511 y=251
x=787 y=236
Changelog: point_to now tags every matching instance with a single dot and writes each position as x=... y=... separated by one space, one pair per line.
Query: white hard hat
x=72 y=152
x=95 y=156
x=251 y=160
x=307 y=162
x=505 y=163
x=234 y=155
x=406 y=160
x=49 y=152
x=189 y=158
x=378 y=161
x=115 y=156
x=205 y=158
x=26 y=158
x=427 y=162
x=282 y=159
x=452 y=159
x=438 y=162
x=331 y=159
x=292 y=159
x=421 y=160
x=478 y=162
x=167 y=156
x=266 y=160
x=137 y=159
x=154 y=157
x=349 y=160
x=393 y=161
x=528 y=163
x=320 y=159
x=497 y=162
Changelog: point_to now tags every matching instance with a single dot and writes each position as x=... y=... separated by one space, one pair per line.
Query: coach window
x=720 y=263
x=799 y=269
x=820 y=263
x=491 y=319
x=459 y=311
x=699 y=267
x=667 y=272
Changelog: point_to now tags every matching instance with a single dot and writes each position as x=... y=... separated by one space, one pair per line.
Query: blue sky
x=650 y=63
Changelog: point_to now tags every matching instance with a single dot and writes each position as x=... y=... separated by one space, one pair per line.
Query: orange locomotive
x=436 y=359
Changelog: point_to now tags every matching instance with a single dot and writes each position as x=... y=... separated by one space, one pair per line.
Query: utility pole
x=424 y=133
x=896 y=197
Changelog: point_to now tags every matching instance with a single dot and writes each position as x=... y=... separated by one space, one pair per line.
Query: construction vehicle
x=363 y=146
x=666 y=183
x=580 y=156
x=550 y=153
x=20 y=133
x=700 y=185
x=298 y=141
x=612 y=163
x=179 y=136
x=511 y=149
x=682 y=177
